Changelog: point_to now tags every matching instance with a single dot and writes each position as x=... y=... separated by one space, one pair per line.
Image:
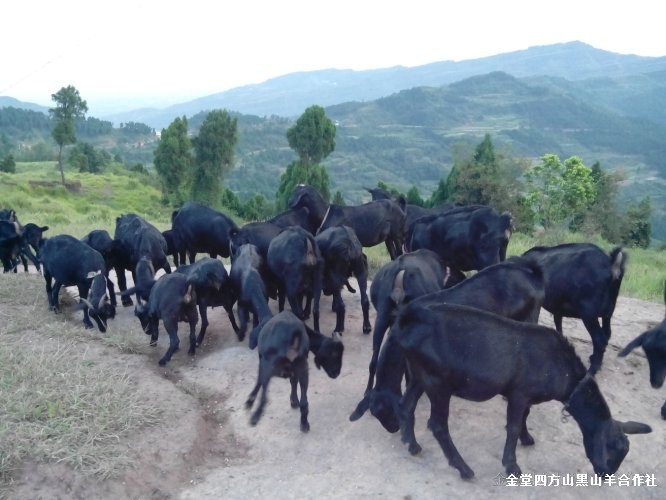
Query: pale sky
x=161 y=52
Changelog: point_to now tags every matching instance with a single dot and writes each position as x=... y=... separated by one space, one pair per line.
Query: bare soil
x=205 y=447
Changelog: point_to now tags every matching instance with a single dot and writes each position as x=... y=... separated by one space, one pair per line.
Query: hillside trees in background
x=214 y=156
x=312 y=137
x=636 y=227
x=486 y=177
x=173 y=160
x=69 y=107
x=8 y=164
x=86 y=158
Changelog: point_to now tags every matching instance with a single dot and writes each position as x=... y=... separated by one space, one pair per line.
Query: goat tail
x=618 y=258
x=189 y=294
x=398 y=292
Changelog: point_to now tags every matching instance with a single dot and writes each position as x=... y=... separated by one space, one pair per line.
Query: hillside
x=409 y=138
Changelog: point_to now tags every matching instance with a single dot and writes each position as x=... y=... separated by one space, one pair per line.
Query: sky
x=124 y=54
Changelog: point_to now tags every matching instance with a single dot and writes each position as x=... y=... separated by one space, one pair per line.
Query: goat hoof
x=527 y=440
x=466 y=473
x=367 y=329
x=162 y=362
x=663 y=411
x=414 y=449
x=127 y=303
x=254 y=420
x=305 y=427
x=294 y=404
x=513 y=469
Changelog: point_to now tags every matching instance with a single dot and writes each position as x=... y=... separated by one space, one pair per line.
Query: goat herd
x=473 y=336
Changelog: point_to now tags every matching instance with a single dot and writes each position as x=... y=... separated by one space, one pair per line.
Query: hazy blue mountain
x=7 y=102
x=291 y=94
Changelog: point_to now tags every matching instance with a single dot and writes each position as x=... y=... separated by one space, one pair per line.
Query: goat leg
x=439 y=425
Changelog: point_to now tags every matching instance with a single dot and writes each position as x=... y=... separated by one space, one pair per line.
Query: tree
x=86 y=158
x=8 y=164
x=69 y=108
x=414 y=198
x=558 y=192
x=173 y=159
x=474 y=179
x=637 y=230
x=338 y=199
x=214 y=156
x=312 y=136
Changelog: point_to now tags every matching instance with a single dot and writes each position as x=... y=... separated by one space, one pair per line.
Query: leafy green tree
x=414 y=198
x=637 y=229
x=475 y=179
x=558 y=192
x=230 y=200
x=602 y=216
x=312 y=136
x=86 y=158
x=214 y=156
x=173 y=159
x=69 y=108
x=8 y=164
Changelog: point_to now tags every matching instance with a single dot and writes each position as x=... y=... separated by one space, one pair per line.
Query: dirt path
x=207 y=449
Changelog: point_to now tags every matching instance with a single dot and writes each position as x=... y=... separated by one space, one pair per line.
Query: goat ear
x=631 y=427
x=633 y=345
x=361 y=408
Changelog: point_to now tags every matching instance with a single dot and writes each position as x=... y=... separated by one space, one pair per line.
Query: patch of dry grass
x=66 y=397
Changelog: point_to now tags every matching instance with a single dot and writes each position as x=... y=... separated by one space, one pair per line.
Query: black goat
x=420 y=273
x=250 y=288
x=454 y=350
x=144 y=276
x=283 y=352
x=198 y=228
x=465 y=238
x=512 y=289
x=582 y=281
x=295 y=260
x=71 y=262
x=653 y=343
x=172 y=299
x=374 y=222
x=213 y=288
x=283 y=342
x=135 y=238
x=343 y=257
x=110 y=249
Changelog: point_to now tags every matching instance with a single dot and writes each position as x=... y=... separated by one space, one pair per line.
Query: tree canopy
x=173 y=160
x=312 y=136
x=214 y=156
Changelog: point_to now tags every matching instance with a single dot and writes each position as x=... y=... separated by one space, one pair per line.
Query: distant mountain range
x=291 y=94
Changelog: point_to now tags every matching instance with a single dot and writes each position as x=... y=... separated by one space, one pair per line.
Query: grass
x=100 y=200
x=65 y=398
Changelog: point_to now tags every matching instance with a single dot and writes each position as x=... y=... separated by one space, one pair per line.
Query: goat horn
x=103 y=300
x=337 y=336
x=632 y=345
